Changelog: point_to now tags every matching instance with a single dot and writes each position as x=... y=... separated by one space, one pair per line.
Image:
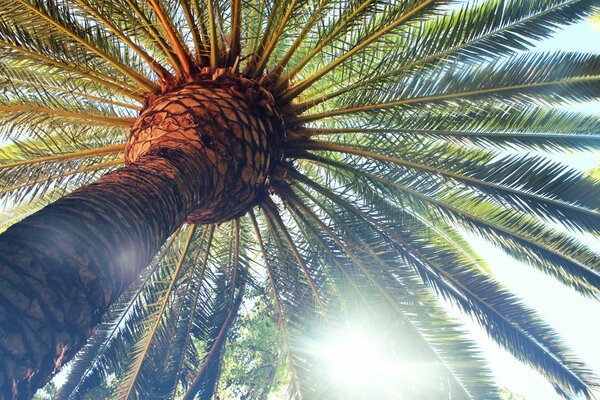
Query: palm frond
x=557 y=254
x=205 y=380
x=143 y=345
x=61 y=21
x=161 y=72
x=506 y=128
x=570 y=76
x=458 y=381
x=476 y=31
x=87 y=361
x=176 y=362
x=392 y=19
x=531 y=184
x=274 y=218
x=491 y=305
x=174 y=39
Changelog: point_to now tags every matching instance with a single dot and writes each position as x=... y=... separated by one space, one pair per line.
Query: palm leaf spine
x=126 y=389
x=275 y=218
x=68 y=388
x=266 y=53
x=440 y=55
x=587 y=283
x=116 y=148
x=152 y=31
x=196 y=36
x=380 y=106
x=575 y=381
x=322 y=43
x=103 y=80
x=162 y=73
x=135 y=76
x=318 y=145
x=111 y=120
x=178 y=46
x=307 y=82
x=217 y=346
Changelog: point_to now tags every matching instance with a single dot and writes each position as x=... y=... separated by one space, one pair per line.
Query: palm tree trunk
x=62 y=267
x=200 y=152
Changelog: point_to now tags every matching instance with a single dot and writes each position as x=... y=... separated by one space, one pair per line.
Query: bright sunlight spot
x=358 y=362
x=353 y=358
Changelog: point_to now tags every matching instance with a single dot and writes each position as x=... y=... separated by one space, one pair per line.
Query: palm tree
x=336 y=148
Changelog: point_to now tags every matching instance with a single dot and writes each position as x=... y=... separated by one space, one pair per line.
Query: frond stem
x=592 y=274
x=115 y=148
x=276 y=218
x=215 y=349
x=236 y=255
x=294 y=91
x=162 y=73
x=104 y=80
x=278 y=69
x=425 y=60
x=268 y=267
x=234 y=40
x=207 y=231
x=447 y=96
x=151 y=30
x=101 y=119
x=214 y=43
x=327 y=146
x=94 y=167
x=303 y=133
x=178 y=45
x=117 y=324
x=322 y=43
x=189 y=16
x=141 y=356
x=124 y=69
x=266 y=53
x=73 y=92
x=412 y=252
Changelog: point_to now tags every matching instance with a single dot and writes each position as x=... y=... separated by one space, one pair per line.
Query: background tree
x=252 y=364
x=329 y=151
x=595 y=174
x=508 y=395
x=595 y=20
x=47 y=393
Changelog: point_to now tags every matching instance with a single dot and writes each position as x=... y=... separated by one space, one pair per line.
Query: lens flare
x=353 y=358
x=359 y=362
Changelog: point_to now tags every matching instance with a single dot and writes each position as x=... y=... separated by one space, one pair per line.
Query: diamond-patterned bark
x=233 y=123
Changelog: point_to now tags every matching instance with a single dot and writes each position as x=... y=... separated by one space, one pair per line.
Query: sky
x=574 y=317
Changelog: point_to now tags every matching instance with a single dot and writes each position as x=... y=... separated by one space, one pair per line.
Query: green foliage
x=252 y=365
x=407 y=123
x=595 y=20
x=102 y=392
x=594 y=174
x=508 y=395
x=46 y=393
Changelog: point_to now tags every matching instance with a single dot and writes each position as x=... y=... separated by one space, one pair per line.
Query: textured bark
x=61 y=268
x=233 y=122
x=202 y=151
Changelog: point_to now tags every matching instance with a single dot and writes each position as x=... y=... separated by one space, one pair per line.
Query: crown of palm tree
x=405 y=124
